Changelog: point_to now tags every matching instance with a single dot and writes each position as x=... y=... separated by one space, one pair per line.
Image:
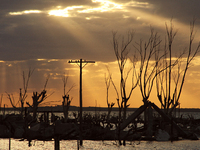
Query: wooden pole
x=4 y=110
x=9 y=144
x=80 y=62
x=57 y=143
x=81 y=139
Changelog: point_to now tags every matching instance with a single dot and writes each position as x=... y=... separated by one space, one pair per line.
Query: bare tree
x=122 y=50
x=110 y=105
x=22 y=94
x=37 y=99
x=120 y=106
x=170 y=82
x=150 y=57
x=66 y=100
x=149 y=60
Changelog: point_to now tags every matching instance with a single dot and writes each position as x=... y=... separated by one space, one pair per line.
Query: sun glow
x=137 y=4
x=73 y=11
x=25 y=12
x=105 y=6
x=41 y=59
x=64 y=12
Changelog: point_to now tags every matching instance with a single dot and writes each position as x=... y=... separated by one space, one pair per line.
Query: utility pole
x=80 y=64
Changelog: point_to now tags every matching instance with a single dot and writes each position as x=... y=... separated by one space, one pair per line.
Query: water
x=99 y=145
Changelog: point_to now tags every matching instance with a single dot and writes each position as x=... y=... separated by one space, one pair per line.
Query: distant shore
x=75 y=108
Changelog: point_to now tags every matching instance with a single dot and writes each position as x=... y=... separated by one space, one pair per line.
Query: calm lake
x=99 y=145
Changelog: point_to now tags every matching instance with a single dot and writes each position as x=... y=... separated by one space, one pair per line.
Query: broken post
x=167 y=118
x=57 y=143
x=132 y=117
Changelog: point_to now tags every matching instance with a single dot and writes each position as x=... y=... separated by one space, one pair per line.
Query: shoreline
x=75 y=108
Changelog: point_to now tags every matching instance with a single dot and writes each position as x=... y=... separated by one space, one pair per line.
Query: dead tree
x=170 y=82
x=37 y=99
x=119 y=103
x=66 y=100
x=110 y=105
x=66 y=104
x=122 y=50
x=150 y=57
x=22 y=94
x=149 y=61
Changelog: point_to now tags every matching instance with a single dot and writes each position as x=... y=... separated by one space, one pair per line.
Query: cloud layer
x=45 y=34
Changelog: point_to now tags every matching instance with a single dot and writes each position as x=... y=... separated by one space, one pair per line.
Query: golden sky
x=45 y=35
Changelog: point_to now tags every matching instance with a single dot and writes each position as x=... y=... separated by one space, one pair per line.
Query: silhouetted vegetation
x=170 y=82
x=66 y=100
x=38 y=98
x=22 y=93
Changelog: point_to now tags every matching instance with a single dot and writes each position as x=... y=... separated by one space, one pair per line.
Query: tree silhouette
x=122 y=50
x=22 y=94
x=170 y=82
x=37 y=99
x=66 y=104
x=110 y=105
x=66 y=100
x=149 y=60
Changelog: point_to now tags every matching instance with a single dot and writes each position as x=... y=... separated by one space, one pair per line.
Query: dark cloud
x=183 y=10
x=32 y=36
x=39 y=4
x=86 y=33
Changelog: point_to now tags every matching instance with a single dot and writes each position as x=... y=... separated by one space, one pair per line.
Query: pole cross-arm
x=81 y=61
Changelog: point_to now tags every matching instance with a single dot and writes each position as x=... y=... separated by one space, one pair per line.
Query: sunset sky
x=45 y=34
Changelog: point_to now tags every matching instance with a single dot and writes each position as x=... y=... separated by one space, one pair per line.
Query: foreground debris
x=158 y=127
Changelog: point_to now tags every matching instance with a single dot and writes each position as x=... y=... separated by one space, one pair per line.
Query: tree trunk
x=35 y=112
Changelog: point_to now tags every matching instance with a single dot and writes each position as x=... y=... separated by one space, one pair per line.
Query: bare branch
x=47 y=79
